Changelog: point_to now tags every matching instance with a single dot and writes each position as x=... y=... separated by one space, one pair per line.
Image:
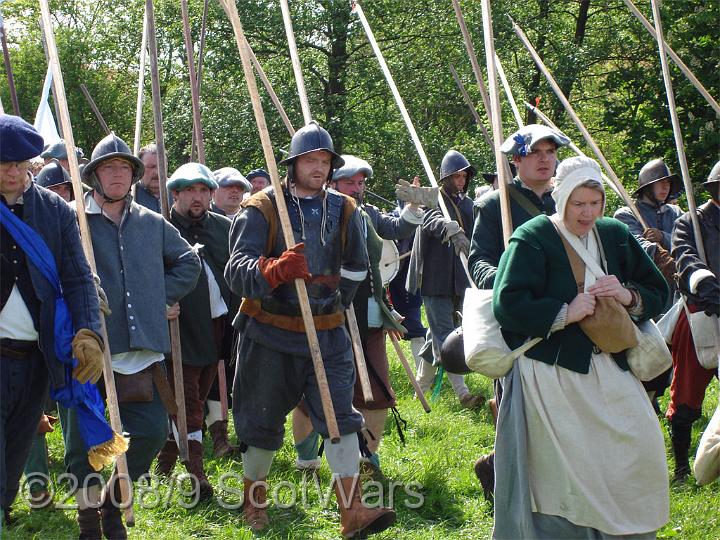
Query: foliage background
x=600 y=54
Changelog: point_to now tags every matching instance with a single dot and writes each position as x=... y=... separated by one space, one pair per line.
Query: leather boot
x=166 y=458
x=221 y=443
x=680 y=438
x=485 y=471
x=255 y=504
x=195 y=467
x=356 y=519
x=110 y=513
x=89 y=524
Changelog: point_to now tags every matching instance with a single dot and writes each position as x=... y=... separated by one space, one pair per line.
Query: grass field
x=439 y=453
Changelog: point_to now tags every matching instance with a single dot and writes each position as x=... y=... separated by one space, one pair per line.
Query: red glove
x=285 y=268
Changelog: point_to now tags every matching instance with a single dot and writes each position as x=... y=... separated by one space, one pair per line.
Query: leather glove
x=102 y=297
x=665 y=263
x=709 y=293
x=424 y=196
x=88 y=350
x=455 y=234
x=291 y=264
x=654 y=235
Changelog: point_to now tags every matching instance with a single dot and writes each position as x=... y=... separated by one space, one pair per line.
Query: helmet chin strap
x=99 y=189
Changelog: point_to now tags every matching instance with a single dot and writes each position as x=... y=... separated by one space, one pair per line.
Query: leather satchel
x=610 y=327
x=136 y=387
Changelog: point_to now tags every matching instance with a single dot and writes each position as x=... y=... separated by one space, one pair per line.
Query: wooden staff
x=359 y=354
x=357 y=8
x=508 y=92
x=95 y=109
x=273 y=96
x=496 y=122
x=297 y=68
x=675 y=58
x=8 y=69
x=176 y=351
x=677 y=133
x=471 y=106
x=112 y=402
x=403 y=360
x=198 y=82
x=141 y=88
x=583 y=130
x=47 y=59
x=194 y=93
x=328 y=409
x=473 y=58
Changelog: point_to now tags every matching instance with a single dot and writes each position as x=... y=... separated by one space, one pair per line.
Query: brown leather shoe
x=221 y=443
x=195 y=468
x=110 y=514
x=255 y=504
x=356 y=519
x=166 y=458
x=485 y=471
x=472 y=401
x=89 y=523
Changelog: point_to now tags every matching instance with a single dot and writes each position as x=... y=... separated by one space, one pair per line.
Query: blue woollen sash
x=84 y=398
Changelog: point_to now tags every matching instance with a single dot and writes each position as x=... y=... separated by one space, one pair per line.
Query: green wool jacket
x=534 y=279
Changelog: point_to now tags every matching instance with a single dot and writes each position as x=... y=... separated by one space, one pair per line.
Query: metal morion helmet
x=52 y=174
x=309 y=139
x=655 y=171
x=453 y=162
x=111 y=147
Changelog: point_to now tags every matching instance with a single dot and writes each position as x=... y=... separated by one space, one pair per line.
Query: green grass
x=439 y=453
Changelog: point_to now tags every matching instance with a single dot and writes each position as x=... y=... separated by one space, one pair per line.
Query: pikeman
x=274 y=367
x=55 y=178
x=145 y=267
x=534 y=153
x=375 y=315
x=233 y=187
x=146 y=192
x=58 y=151
x=29 y=363
x=202 y=312
x=259 y=178
x=436 y=270
x=698 y=282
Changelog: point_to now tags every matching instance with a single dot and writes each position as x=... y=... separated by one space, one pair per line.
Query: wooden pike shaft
x=141 y=88
x=508 y=92
x=471 y=106
x=195 y=94
x=675 y=58
x=297 y=68
x=408 y=370
x=201 y=56
x=496 y=122
x=222 y=389
x=181 y=419
x=273 y=96
x=473 y=58
x=8 y=69
x=362 y=371
x=677 y=132
x=357 y=8
x=328 y=409
x=576 y=119
x=94 y=108
x=113 y=408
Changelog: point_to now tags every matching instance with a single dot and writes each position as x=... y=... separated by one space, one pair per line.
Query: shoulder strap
x=523 y=201
x=348 y=209
x=576 y=263
x=581 y=250
x=262 y=201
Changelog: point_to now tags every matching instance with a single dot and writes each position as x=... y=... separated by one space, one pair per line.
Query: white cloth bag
x=706 y=337
x=485 y=349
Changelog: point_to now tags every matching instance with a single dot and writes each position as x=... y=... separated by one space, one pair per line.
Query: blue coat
x=51 y=217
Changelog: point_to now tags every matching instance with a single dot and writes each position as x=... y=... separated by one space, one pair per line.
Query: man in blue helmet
x=533 y=150
x=259 y=178
x=438 y=248
x=29 y=359
x=145 y=267
x=274 y=365
x=55 y=178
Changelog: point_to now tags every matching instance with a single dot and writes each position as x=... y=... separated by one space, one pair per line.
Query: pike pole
x=141 y=87
x=176 y=351
x=94 y=108
x=108 y=376
x=359 y=354
x=231 y=10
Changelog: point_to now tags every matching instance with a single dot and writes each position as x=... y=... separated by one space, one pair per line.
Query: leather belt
x=17 y=349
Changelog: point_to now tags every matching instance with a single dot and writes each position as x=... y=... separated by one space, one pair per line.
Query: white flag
x=44 y=120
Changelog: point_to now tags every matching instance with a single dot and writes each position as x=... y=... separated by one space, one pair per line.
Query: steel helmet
x=311 y=138
x=453 y=162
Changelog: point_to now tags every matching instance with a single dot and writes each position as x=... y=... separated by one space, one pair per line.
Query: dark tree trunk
x=335 y=100
x=568 y=69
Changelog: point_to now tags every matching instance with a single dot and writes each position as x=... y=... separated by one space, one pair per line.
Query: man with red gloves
x=274 y=364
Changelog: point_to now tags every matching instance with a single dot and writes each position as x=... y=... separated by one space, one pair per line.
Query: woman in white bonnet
x=580 y=453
